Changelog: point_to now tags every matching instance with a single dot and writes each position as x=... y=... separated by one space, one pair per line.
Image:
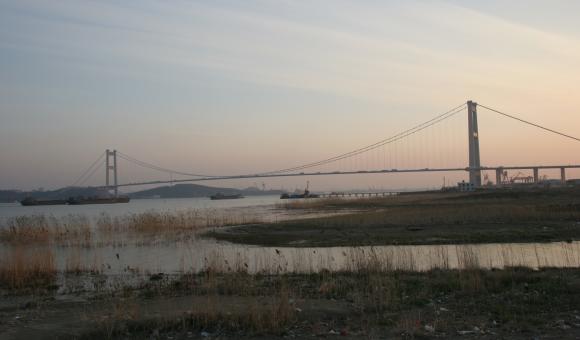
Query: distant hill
x=175 y=191
x=196 y=190
x=7 y=196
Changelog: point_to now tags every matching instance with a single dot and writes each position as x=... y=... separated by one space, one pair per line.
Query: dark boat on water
x=97 y=200
x=220 y=196
x=305 y=194
x=29 y=201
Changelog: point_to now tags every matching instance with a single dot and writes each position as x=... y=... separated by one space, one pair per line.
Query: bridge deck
x=384 y=171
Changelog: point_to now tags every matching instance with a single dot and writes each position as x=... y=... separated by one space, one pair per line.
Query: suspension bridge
x=386 y=155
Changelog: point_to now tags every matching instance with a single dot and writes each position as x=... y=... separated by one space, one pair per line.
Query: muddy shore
x=515 y=303
x=431 y=218
x=369 y=297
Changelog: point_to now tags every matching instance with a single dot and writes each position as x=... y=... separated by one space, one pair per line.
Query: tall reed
x=28 y=268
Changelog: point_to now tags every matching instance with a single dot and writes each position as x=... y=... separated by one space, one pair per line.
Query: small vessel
x=305 y=194
x=97 y=200
x=29 y=201
x=220 y=196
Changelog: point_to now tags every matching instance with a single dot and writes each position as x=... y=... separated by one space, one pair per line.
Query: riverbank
x=516 y=303
x=149 y=276
x=427 y=218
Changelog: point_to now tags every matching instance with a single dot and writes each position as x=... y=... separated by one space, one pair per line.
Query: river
x=152 y=253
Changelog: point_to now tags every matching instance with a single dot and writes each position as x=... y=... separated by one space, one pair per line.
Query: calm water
x=198 y=255
x=187 y=252
x=8 y=210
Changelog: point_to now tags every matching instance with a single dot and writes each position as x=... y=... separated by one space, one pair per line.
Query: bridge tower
x=111 y=167
x=474 y=161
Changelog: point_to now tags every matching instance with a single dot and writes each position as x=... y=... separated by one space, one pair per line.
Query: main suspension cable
x=158 y=168
x=90 y=169
x=391 y=139
x=530 y=123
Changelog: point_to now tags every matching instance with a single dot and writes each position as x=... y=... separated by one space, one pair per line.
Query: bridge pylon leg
x=498 y=173
x=108 y=168
x=474 y=160
x=563 y=175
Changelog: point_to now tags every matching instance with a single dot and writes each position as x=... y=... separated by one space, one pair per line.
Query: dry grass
x=452 y=215
x=64 y=231
x=28 y=268
x=451 y=208
x=76 y=264
x=160 y=222
x=422 y=219
x=269 y=316
x=81 y=231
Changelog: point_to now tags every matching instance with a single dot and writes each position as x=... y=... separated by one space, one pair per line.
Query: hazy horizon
x=228 y=87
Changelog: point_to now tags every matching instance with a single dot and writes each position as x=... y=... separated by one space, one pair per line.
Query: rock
x=465 y=332
x=429 y=328
x=333 y=332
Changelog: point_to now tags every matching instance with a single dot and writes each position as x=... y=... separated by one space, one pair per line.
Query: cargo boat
x=29 y=201
x=305 y=194
x=97 y=200
x=220 y=196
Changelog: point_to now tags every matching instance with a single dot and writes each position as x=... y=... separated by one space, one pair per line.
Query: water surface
x=185 y=251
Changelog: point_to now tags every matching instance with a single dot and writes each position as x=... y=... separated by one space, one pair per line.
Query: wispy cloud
x=197 y=61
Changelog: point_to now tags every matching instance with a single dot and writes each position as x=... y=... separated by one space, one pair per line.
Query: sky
x=236 y=87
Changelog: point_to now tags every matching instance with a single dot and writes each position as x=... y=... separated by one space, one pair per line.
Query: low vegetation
x=447 y=291
x=514 y=302
x=25 y=269
x=81 y=231
x=438 y=218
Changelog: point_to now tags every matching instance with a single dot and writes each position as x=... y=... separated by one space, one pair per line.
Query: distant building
x=465 y=186
x=552 y=182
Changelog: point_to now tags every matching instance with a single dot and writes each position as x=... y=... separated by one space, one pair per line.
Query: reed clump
x=159 y=222
x=24 y=268
x=81 y=231
x=64 y=231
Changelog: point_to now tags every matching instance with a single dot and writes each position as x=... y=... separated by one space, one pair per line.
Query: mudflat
x=498 y=216
x=511 y=303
